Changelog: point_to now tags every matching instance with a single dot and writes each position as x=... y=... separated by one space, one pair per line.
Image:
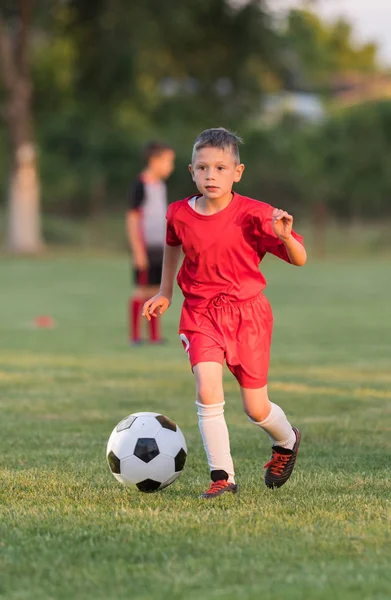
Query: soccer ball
x=147 y=450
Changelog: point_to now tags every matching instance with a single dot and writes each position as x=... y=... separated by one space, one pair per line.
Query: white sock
x=215 y=436
x=278 y=428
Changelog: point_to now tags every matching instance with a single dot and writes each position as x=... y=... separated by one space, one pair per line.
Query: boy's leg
x=213 y=428
x=284 y=437
x=155 y=260
x=268 y=416
x=135 y=304
x=134 y=316
x=147 y=283
x=248 y=354
x=142 y=294
x=154 y=324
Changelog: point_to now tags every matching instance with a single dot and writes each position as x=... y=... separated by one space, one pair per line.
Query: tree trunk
x=24 y=230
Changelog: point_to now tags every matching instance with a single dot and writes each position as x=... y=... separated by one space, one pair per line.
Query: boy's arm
x=282 y=226
x=171 y=258
x=133 y=225
x=296 y=251
x=162 y=300
x=137 y=247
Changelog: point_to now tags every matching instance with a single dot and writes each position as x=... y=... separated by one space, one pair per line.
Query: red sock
x=154 y=329
x=135 y=305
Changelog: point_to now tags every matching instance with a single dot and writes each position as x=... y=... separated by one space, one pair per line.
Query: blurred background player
x=146 y=230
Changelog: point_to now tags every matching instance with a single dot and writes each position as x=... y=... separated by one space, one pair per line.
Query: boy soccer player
x=225 y=315
x=146 y=229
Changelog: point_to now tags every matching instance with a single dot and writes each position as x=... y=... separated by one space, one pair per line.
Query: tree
x=102 y=74
x=173 y=60
x=316 y=51
x=24 y=234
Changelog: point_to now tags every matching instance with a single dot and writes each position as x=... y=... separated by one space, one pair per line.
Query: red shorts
x=239 y=332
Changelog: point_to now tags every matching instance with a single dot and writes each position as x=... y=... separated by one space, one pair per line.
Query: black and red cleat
x=217 y=488
x=281 y=463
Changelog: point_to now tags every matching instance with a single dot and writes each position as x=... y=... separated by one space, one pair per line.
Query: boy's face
x=163 y=164
x=214 y=171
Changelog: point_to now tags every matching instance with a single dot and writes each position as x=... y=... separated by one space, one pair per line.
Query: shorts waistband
x=222 y=300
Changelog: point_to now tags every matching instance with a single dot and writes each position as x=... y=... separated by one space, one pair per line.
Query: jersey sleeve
x=172 y=236
x=136 y=195
x=270 y=242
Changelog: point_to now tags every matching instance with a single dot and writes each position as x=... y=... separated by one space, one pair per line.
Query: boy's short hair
x=218 y=137
x=154 y=148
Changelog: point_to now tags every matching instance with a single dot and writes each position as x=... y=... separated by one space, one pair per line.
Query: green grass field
x=68 y=530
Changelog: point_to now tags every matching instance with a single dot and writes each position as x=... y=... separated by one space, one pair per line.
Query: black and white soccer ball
x=147 y=450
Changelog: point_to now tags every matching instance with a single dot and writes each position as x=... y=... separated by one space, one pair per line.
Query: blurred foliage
x=341 y=163
x=354 y=153
x=316 y=52
x=111 y=74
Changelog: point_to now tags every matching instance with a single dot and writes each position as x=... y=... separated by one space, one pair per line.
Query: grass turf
x=69 y=531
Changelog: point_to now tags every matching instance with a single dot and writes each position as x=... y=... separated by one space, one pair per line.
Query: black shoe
x=217 y=488
x=281 y=463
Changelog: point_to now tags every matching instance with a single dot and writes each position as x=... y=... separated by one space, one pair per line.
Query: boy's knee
x=208 y=394
x=258 y=414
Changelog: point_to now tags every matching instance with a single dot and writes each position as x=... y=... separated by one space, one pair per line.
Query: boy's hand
x=282 y=224
x=158 y=302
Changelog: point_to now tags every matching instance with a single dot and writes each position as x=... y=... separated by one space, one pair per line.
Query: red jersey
x=223 y=251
